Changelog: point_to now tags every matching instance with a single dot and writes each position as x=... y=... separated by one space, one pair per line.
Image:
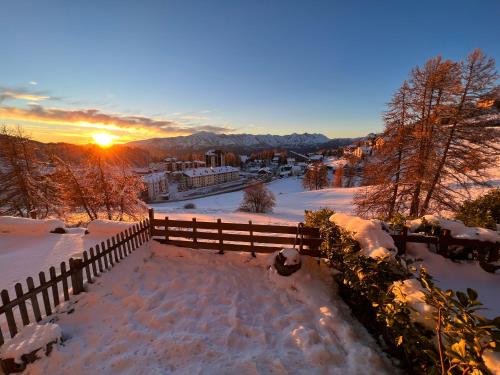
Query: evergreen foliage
x=481 y=212
x=460 y=335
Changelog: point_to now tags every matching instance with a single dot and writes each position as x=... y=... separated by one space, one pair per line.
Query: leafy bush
x=189 y=206
x=366 y=285
x=481 y=212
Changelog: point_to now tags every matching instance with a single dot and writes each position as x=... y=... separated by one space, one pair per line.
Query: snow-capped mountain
x=204 y=140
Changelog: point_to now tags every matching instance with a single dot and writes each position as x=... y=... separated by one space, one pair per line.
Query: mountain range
x=239 y=142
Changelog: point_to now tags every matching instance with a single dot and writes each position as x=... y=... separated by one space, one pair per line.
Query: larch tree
x=316 y=176
x=437 y=140
x=383 y=173
x=337 y=179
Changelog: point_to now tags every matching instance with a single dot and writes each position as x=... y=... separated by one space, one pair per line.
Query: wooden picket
x=90 y=265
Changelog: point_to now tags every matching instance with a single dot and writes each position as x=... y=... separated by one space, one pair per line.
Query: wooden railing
x=259 y=238
x=27 y=305
x=249 y=237
x=444 y=242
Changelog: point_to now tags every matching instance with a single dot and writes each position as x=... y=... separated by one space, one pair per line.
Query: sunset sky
x=142 y=69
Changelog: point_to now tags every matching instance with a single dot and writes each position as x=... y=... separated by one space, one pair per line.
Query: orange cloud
x=140 y=126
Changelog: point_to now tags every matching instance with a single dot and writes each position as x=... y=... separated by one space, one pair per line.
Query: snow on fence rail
x=249 y=237
x=490 y=250
x=93 y=263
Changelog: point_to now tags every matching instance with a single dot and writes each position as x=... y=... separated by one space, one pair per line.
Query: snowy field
x=171 y=310
x=291 y=201
x=26 y=250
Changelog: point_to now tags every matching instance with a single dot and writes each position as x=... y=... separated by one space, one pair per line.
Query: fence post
x=195 y=240
x=221 y=241
x=402 y=241
x=301 y=246
x=443 y=242
x=167 y=238
x=11 y=322
x=151 y=213
x=251 y=238
x=76 y=271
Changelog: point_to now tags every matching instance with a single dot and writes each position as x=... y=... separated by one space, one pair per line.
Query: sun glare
x=103 y=139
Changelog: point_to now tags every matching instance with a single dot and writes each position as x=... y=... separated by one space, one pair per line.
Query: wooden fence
x=27 y=306
x=488 y=251
x=258 y=238
x=249 y=237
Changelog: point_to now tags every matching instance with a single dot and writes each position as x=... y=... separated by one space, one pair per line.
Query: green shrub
x=482 y=212
x=366 y=285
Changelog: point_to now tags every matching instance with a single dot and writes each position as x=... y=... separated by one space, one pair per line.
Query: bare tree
x=316 y=176
x=25 y=186
x=258 y=198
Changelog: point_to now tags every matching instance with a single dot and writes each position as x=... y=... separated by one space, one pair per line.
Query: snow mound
x=22 y=225
x=374 y=242
x=107 y=227
x=410 y=292
x=458 y=229
x=292 y=256
x=30 y=338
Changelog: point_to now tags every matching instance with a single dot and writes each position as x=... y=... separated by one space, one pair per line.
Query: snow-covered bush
x=427 y=328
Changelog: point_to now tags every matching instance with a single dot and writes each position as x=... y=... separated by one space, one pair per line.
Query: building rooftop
x=194 y=172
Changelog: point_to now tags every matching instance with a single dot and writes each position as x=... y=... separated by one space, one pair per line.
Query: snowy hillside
x=207 y=140
x=291 y=201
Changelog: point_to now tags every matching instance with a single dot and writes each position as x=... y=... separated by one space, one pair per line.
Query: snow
x=374 y=242
x=107 y=227
x=291 y=255
x=460 y=276
x=183 y=311
x=410 y=292
x=32 y=337
x=457 y=229
x=21 y=225
x=28 y=251
x=335 y=163
x=291 y=201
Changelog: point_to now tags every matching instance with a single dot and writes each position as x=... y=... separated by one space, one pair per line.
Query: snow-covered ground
x=171 y=310
x=460 y=276
x=291 y=201
x=26 y=253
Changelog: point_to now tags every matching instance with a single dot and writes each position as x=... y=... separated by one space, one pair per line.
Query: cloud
x=33 y=83
x=22 y=94
x=94 y=118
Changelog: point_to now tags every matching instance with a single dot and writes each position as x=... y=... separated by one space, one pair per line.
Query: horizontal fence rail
x=249 y=237
x=264 y=238
x=33 y=303
x=445 y=243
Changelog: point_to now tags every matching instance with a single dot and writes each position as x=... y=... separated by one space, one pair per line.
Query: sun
x=103 y=139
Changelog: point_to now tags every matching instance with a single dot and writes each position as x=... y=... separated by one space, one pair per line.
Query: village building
x=215 y=158
x=156 y=187
x=201 y=177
